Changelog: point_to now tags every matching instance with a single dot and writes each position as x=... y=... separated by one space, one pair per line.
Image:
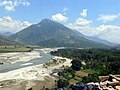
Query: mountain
x=97 y=39
x=7 y=42
x=117 y=46
x=111 y=35
x=6 y=34
x=53 y=34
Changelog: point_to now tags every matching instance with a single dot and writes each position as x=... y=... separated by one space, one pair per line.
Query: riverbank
x=37 y=72
x=33 y=73
x=15 y=57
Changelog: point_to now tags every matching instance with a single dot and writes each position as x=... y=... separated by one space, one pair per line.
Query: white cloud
x=82 y=21
x=107 y=32
x=107 y=18
x=11 y=25
x=83 y=29
x=7 y=19
x=73 y=26
x=84 y=13
x=60 y=18
x=10 y=8
x=65 y=9
x=10 y=5
x=81 y=24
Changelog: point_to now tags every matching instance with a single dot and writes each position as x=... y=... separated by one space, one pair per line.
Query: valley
x=59 y=45
x=30 y=70
x=35 y=56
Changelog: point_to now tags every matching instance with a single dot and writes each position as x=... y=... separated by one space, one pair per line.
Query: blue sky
x=90 y=17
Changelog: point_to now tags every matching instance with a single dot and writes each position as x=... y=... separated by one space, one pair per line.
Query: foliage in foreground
x=103 y=61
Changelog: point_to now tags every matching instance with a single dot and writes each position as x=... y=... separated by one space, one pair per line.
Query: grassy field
x=89 y=71
x=5 y=49
x=80 y=74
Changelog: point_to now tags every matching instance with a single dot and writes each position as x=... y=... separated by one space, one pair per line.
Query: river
x=9 y=67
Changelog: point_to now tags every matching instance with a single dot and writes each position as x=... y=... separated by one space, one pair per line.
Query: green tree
x=90 y=78
x=62 y=83
x=76 y=64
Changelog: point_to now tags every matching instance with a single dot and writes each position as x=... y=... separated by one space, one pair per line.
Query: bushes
x=90 y=78
x=76 y=64
x=67 y=73
x=62 y=83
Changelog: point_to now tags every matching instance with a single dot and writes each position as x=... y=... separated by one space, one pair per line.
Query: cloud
x=84 y=13
x=83 y=29
x=10 y=8
x=60 y=18
x=73 y=26
x=82 y=22
x=107 y=18
x=65 y=9
x=11 y=25
x=107 y=32
x=10 y=5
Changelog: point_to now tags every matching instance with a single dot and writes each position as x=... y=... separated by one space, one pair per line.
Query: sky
x=99 y=18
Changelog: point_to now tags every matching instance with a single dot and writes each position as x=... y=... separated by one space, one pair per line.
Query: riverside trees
x=104 y=61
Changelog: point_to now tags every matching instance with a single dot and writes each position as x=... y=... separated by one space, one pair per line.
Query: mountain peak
x=52 y=34
x=46 y=20
x=49 y=22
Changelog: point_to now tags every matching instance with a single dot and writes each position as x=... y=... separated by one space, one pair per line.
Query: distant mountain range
x=96 y=39
x=6 y=34
x=53 y=34
x=7 y=42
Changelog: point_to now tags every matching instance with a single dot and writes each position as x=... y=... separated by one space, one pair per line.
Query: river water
x=9 y=67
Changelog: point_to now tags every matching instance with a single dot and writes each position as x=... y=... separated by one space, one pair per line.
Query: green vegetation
x=96 y=62
x=5 y=49
x=90 y=78
x=30 y=89
x=1 y=63
x=89 y=71
x=76 y=64
x=67 y=73
x=62 y=83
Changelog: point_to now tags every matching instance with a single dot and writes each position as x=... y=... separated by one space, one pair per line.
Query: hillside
x=5 y=41
x=6 y=34
x=53 y=34
x=96 y=39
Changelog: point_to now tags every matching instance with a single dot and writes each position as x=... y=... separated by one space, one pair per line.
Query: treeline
x=103 y=61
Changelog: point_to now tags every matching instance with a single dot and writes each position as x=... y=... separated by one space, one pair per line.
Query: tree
x=114 y=67
x=76 y=64
x=62 y=83
x=90 y=78
x=30 y=89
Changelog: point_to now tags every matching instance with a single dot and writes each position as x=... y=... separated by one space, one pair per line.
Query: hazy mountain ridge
x=96 y=39
x=53 y=34
x=6 y=33
x=5 y=41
